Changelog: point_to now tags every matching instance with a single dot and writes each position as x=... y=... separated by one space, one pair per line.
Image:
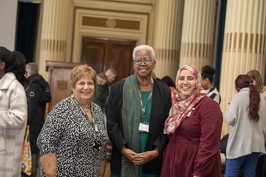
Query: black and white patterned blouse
x=79 y=145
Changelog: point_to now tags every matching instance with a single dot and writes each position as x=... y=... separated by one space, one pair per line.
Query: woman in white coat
x=13 y=112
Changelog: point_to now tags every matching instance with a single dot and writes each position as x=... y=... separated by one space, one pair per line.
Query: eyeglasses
x=146 y=60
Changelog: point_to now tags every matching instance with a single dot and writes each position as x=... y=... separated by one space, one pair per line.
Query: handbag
x=26 y=162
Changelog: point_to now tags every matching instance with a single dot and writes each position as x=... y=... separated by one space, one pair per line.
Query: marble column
x=198 y=33
x=55 y=28
x=244 y=45
x=167 y=36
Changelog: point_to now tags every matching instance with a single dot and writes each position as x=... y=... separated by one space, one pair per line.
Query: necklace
x=86 y=109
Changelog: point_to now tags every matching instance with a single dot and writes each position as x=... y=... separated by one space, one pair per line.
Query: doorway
x=105 y=53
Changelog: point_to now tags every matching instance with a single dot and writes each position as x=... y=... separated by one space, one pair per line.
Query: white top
x=246 y=136
x=264 y=93
x=213 y=93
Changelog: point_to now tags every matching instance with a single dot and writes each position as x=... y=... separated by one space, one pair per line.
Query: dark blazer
x=161 y=104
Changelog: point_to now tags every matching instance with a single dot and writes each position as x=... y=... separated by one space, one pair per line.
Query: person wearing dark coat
x=136 y=110
x=103 y=83
x=38 y=94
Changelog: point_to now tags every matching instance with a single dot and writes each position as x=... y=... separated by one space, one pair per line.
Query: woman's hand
x=48 y=163
x=145 y=157
x=102 y=169
x=128 y=153
x=141 y=158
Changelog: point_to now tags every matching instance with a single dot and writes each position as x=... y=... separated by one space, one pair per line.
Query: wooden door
x=60 y=83
x=104 y=53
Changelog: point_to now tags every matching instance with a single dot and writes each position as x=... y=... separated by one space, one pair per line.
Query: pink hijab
x=183 y=105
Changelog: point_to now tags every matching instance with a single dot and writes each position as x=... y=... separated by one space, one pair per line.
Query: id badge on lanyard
x=144 y=127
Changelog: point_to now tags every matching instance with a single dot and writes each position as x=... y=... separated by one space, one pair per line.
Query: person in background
x=136 y=110
x=247 y=117
x=38 y=94
x=103 y=82
x=19 y=65
x=13 y=112
x=257 y=80
x=171 y=84
x=207 y=73
x=194 y=129
x=73 y=139
x=100 y=97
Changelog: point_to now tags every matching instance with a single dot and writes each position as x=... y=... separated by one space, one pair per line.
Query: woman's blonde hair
x=81 y=71
x=255 y=74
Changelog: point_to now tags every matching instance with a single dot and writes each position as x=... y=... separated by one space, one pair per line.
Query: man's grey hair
x=33 y=68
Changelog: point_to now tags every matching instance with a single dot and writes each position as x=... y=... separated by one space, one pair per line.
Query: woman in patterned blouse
x=73 y=139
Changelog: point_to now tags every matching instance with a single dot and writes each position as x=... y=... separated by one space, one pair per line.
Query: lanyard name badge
x=144 y=126
x=85 y=114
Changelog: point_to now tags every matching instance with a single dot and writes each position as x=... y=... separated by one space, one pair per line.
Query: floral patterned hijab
x=183 y=105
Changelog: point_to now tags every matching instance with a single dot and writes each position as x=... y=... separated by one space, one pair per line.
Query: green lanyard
x=143 y=107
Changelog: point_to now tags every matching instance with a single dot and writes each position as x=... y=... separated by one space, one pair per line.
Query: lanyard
x=94 y=126
x=143 y=107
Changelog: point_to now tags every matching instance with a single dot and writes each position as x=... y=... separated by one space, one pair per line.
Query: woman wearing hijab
x=194 y=129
